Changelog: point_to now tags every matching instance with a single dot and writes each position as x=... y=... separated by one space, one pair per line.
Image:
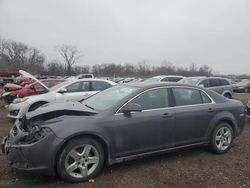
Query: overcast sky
x=213 y=32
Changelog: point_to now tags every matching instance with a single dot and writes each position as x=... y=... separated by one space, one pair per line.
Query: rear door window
x=224 y=82
x=99 y=85
x=214 y=82
x=187 y=96
x=205 y=98
x=78 y=87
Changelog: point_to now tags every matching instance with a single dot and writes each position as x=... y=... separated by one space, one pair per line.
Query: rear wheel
x=221 y=138
x=80 y=160
x=228 y=95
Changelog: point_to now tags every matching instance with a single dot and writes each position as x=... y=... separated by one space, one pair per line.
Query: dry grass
x=243 y=97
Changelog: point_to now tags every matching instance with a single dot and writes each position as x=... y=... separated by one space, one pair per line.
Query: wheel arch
x=229 y=120
x=227 y=92
x=37 y=102
x=96 y=137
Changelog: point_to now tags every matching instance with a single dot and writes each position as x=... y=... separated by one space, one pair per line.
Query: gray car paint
x=126 y=137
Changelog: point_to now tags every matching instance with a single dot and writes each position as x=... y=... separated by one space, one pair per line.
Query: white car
x=164 y=78
x=69 y=90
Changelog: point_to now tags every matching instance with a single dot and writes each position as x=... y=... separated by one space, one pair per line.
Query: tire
x=228 y=95
x=36 y=105
x=79 y=166
x=218 y=138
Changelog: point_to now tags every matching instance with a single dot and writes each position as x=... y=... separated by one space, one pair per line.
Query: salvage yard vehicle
x=121 y=123
x=217 y=84
x=34 y=88
x=164 y=78
x=69 y=90
x=243 y=86
x=11 y=87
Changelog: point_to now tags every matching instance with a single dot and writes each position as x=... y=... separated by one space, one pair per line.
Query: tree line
x=17 y=55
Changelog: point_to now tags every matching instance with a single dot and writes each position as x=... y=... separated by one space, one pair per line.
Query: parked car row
x=242 y=87
x=82 y=124
x=32 y=89
x=77 y=89
x=219 y=85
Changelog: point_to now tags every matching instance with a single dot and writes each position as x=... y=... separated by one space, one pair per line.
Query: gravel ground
x=196 y=167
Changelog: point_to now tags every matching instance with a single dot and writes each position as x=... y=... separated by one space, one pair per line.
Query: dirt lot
x=195 y=167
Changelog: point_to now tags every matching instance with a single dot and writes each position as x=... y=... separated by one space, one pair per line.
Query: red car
x=34 y=88
x=19 y=83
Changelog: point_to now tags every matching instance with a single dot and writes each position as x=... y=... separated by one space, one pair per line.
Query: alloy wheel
x=223 y=138
x=82 y=161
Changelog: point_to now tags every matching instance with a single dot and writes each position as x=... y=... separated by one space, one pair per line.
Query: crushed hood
x=60 y=107
x=28 y=75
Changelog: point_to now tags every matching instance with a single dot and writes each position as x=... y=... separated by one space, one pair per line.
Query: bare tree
x=14 y=52
x=70 y=55
x=55 y=67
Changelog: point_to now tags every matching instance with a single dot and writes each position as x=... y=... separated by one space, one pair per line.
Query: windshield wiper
x=89 y=107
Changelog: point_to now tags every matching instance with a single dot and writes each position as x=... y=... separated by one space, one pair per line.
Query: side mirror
x=63 y=90
x=202 y=85
x=131 y=107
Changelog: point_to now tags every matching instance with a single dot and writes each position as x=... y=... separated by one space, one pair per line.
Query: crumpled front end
x=31 y=147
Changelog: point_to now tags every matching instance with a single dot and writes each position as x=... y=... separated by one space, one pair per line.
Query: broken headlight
x=36 y=133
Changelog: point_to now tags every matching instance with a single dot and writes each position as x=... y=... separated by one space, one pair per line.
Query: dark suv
x=219 y=85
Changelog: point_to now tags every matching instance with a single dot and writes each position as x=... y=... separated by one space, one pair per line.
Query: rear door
x=193 y=112
x=215 y=85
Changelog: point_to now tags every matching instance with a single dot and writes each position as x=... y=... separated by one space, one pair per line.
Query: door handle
x=210 y=110
x=167 y=115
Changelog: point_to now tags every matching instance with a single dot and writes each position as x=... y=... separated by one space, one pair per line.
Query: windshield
x=59 y=85
x=191 y=81
x=109 y=97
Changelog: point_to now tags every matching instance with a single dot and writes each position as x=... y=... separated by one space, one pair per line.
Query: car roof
x=94 y=79
x=146 y=85
x=208 y=77
x=164 y=76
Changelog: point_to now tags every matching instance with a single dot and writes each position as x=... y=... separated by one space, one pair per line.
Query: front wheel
x=221 y=138
x=80 y=160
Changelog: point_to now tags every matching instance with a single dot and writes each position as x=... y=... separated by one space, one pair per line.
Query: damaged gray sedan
x=75 y=139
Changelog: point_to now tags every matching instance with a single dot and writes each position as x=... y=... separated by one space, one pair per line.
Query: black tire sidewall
x=227 y=95
x=213 y=138
x=67 y=148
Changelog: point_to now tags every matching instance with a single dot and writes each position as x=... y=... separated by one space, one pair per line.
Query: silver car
x=165 y=78
x=217 y=84
x=71 y=90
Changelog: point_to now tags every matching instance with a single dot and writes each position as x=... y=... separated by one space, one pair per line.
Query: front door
x=144 y=131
